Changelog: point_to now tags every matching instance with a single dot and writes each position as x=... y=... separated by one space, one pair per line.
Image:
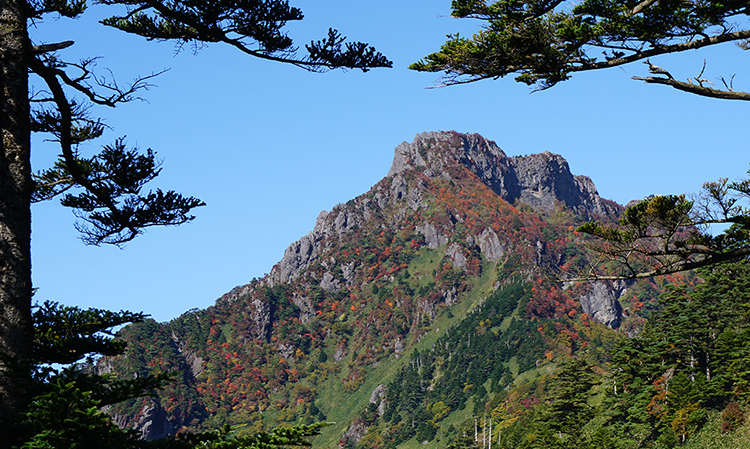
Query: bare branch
x=641 y=6
x=457 y=81
x=656 y=70
x=696 y=89
x=670 y=269
x=120 y=95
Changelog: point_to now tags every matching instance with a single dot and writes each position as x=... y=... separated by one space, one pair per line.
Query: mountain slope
x=449 y=249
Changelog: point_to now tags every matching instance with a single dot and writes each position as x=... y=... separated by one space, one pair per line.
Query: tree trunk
x=15 y=213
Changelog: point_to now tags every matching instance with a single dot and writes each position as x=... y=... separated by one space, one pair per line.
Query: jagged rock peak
x=469 y=149
x=539 y=180
x=542 y=181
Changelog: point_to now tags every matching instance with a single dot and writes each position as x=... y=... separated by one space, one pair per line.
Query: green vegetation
x=401 y=337
x=303 y=351
x=446 y=346
x=545 y=42
x=457 y=367
x=683 y=381
x=69 y=396
x=491 y=345
x=685 y=373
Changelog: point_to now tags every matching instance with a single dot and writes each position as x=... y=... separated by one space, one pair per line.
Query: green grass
x=712 y=437
x=341 y=407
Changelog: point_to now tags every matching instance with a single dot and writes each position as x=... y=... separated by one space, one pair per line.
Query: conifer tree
x=67 y=395
x=568 y=409
x=106 y=191
x=690 y=358
x=545 y=42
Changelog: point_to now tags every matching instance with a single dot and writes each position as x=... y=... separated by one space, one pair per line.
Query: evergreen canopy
x=545 y=41
x=671 y=233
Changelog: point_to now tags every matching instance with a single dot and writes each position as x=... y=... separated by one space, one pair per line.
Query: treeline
x=687 y=370
x=471 y=357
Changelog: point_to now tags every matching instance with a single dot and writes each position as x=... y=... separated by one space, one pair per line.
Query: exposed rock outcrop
x=329 y=283
x=261 y=318
x=356 y=432
x=358 y=428
x=602 y=302
x=348 y=271
x=153 y=423
x=542 y=181
x=433 y=238
x=193 y=361
x=545 y=179
x=378 y=397
x=306 y=309
x=456 y=253
x=539 y=180
x=490 y=245
x=301 y=253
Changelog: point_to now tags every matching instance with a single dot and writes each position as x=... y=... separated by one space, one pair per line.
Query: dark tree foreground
x=544 y=42
x=106 y=191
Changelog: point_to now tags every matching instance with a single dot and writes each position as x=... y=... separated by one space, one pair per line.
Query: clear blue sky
x=269 y=146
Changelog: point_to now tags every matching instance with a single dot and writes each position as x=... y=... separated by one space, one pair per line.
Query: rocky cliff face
x=542 y=181
x=602 y=302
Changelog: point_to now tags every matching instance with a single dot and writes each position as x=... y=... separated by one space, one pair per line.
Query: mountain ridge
x=378 y=277
x=539 y=180
x=542 y=181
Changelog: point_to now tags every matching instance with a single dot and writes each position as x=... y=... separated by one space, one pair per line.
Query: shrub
x=732 y=417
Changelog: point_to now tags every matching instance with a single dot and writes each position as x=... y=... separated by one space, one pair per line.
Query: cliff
x=542 y=181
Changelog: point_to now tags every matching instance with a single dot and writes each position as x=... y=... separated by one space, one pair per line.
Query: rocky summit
x=542 y=181
x=402 y=312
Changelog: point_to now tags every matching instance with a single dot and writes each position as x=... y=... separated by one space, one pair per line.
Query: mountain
x=403 y=312
x=541 y=181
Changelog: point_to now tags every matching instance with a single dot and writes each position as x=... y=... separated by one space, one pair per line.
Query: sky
x=269 y=146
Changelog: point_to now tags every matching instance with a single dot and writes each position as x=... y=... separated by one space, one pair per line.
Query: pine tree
x=545 y=42
x=690 y=358
x=106 y=191
x=67 y=394
x=569 y=409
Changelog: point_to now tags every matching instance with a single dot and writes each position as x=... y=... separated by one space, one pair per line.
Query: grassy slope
x=341 y=407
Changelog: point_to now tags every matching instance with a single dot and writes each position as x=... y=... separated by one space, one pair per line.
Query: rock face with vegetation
x=404 y=312
x=541 y=181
